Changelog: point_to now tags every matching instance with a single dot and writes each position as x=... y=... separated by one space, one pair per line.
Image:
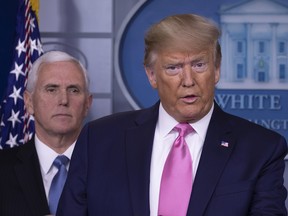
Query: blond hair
x=182 y=32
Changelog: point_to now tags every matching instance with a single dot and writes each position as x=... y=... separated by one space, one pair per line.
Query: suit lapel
x=139 y=149
x=29 y=176
x=214 y=157
x=217 y=148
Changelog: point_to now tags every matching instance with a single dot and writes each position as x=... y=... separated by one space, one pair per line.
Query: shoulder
x=8 y=157
x=246 y=127
x=247 y=133
x=240 y=124
x=127 y=118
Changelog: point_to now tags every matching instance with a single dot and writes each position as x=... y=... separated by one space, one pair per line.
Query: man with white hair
x=57 y=95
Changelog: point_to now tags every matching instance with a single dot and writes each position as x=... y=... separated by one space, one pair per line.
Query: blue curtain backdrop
x=8 y=12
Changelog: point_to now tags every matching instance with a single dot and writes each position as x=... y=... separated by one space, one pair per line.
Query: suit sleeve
x=270 y=193
x=73 y=201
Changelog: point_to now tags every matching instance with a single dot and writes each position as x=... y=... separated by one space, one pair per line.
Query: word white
x=249 y=101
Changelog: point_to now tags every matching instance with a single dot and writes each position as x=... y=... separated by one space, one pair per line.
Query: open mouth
x=189 y=98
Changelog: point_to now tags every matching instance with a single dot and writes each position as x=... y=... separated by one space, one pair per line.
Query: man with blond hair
x=184 y=155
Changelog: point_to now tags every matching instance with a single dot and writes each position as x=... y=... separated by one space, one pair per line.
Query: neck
x=59 y=143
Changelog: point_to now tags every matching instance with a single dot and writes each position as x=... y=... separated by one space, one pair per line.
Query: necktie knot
x=183 y=129
x=60 y=160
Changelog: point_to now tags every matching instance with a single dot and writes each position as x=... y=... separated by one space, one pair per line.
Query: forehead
x=183 y=55
x=60 y=72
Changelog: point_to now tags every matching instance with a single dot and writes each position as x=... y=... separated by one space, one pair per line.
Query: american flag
x=16 y=126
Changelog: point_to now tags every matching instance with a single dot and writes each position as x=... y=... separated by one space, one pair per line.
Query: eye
x=173 y=69
x=199 y=66
x=73 y=90
x=51 y=89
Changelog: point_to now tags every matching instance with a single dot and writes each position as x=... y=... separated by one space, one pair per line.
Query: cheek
x=206 y=84
x=79 y=107
x=44 y=104
x=164 y=85
x=168 y=90
x=42 y=109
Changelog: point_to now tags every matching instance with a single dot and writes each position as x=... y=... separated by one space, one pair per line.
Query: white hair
x=50 y=57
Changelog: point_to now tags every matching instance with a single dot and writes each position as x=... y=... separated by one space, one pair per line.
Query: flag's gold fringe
x=35 y=7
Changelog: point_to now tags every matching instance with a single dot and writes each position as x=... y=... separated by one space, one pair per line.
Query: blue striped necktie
x=58 y=182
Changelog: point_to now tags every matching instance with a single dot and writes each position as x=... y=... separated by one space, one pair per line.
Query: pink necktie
x=176 y=182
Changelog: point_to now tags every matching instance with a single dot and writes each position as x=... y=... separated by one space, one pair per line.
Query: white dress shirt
x=163 y=139
x=46 y=156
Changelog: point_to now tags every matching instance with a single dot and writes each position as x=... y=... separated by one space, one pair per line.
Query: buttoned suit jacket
x=22 y=191
x=240 y=171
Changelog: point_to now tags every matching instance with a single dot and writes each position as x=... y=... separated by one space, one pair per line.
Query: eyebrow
x=51 y=85
x=174 y=61
x=57 y=86
x=199 y=59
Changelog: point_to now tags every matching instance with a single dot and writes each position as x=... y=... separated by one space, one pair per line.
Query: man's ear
x=217 y=75
x=151 y=77
x=88 y=104
x=28 y=102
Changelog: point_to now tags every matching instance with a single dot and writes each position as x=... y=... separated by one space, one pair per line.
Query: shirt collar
x=46 y=155
x=166 y=123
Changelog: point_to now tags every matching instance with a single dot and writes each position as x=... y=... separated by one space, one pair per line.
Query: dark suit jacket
x=21 y=187
x=110 y=168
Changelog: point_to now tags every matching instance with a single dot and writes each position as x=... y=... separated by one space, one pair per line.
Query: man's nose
x=63 y=97
x=187 y=76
